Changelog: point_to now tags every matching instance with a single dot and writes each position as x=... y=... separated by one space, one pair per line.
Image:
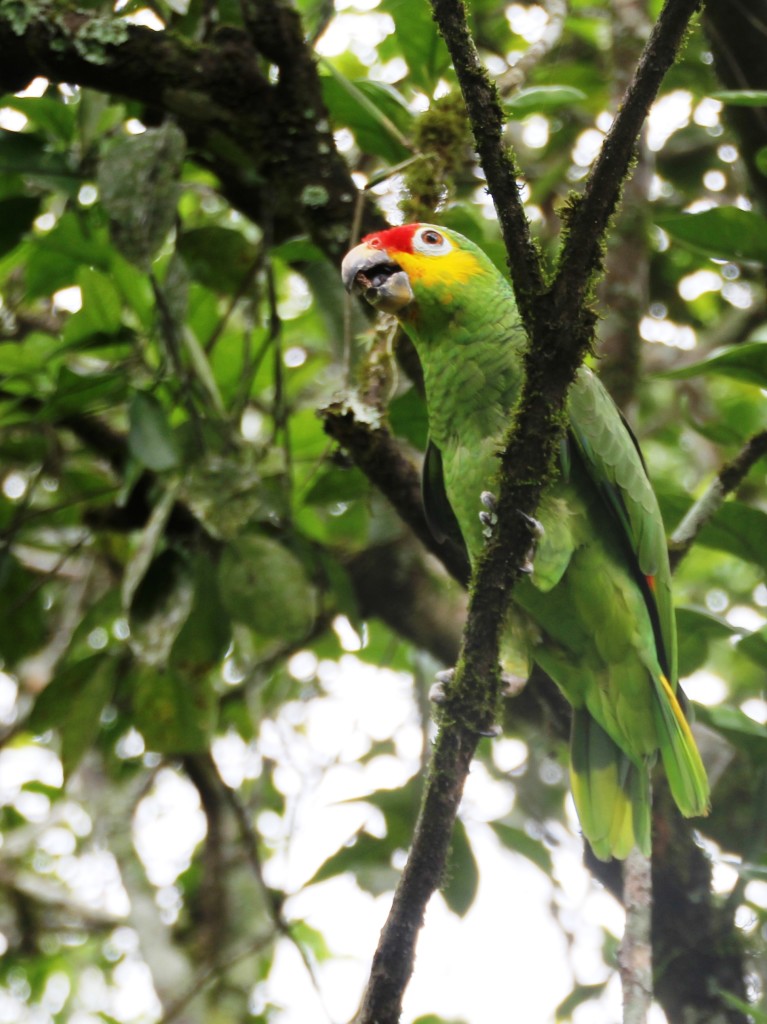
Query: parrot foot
x=438 y=695
x=512 y=685
x=437 y=691
x=488 y=517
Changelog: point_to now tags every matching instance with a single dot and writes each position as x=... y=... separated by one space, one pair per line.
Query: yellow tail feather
x=679 y=751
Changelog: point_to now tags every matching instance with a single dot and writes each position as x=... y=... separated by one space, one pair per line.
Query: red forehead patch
x=399 y=239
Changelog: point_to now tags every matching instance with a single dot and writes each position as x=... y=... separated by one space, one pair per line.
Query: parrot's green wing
x=611 y=456
x=613 y=460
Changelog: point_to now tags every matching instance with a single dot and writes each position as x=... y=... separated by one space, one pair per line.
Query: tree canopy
x=214 y=557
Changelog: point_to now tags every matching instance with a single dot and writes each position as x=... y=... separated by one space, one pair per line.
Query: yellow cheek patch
x=455 y=267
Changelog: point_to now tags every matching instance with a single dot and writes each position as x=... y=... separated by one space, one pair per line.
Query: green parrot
x=595 y=610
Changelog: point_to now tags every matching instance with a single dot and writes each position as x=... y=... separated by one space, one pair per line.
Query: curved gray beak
x=373 y=274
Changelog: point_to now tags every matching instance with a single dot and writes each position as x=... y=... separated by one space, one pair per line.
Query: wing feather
x=612 y=458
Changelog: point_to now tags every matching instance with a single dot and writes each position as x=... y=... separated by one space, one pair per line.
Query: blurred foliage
x=179 y=537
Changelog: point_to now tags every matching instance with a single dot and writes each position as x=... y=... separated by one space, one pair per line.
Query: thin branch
x=635 y=959
x=512 y=79
x=709 y=503
x=273 y=899
x=487 y=121
x=214 y=971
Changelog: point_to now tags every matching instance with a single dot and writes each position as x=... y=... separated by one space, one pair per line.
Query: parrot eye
x=431 y=242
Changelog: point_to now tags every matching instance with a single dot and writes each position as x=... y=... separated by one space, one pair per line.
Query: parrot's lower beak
x=372 y=273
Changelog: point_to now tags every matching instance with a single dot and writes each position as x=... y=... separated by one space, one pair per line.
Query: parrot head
x=406 y=269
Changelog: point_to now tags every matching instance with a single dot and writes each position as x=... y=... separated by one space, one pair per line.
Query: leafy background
x=213 y=625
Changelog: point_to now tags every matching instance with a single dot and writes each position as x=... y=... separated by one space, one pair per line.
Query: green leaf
x=101 y=311
x=374 y=111
x=543 y=97
x=50 y=113
x=57 y=256
x=461 y=873
x=417 y=40
x=311 y=939
x=28 y=155
x=23 y=621
x=206 y=634
x=579 y=995
x=202 y=369
x=724 y=233
x=743 y=732
x=16 y=217
x=72 y=703
x=138 y=184
x=217 y=257
x=368 y=859
x=741 y=97
x=161 y=604
x=150 y=438
x=520 y=842
x=747 y=362
x=754 y=646
x=175 y=713
x=36 y=353
x=264 y=585
x=336 y=483
x=739 y=530
x=752 y=1013
x=432 y=1018
x=696 y=630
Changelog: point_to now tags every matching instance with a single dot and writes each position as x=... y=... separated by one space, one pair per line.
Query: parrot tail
x=611 y=793
x=681 y=760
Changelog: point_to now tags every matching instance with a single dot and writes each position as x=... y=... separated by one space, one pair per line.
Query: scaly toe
x=438 y=689
x=512 y=685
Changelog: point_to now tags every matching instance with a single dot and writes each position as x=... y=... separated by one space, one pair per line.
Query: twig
x=272 y=898
x=709 y=503
x=243 y=288
x=487 y=120
x=216 y=970
x=635 y=959
x=516 y=75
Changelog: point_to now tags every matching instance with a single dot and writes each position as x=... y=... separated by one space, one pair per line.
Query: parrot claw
x=491 y=732
x=536 y=532
x=535 y=526
x=437 y=692
x=511 y=684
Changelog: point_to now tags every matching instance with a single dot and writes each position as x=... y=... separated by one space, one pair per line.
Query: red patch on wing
x=651 y=583
x=395 y=239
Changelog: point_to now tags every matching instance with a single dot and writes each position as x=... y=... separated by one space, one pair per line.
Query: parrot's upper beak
x=373 y=273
